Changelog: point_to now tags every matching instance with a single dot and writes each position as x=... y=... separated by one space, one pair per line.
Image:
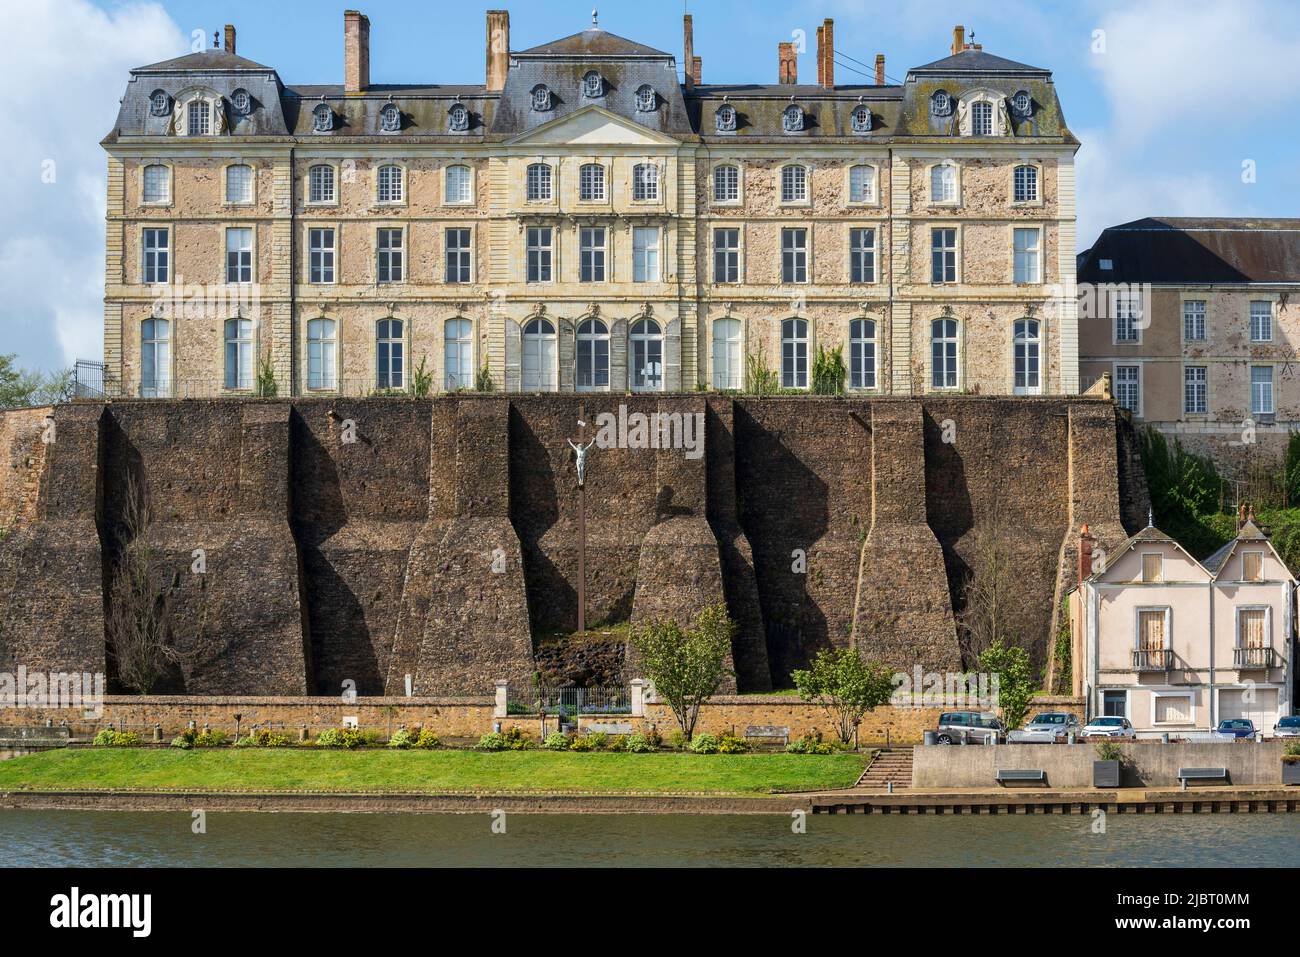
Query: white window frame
x=333 y=199
x=865 y=351
x=1136 y=408
x=399 y=199
x=955 y=249
x=1032 y=197
x=251 y=196
x=640 y=339
x=796 y=252
x=857 y=254
x=208 y=117
x=955 y=170
x=468 y=251
x=332 y=250
x=146 y=250
x=872 y=196
x=955 y=341
x=1256 y=408
x=647 y=261
x=792 y=377
x=794 y=189
x=245 y=354
x=645 y=183
x=401 y=364
x=597 y=335
x=593 y=250
x=462 y=345
x=1242 y=564
x=728 y=251
x=543 y=186
x=327 y=358
x=1027 y=343
x=1142 y=568
x=1128 y=310
x=531 y=248
x=161 y=388
x=251 y=250
x=1195 y=312
x=1261 y=323
x=168 y=181
x=736 y=178
x=544 y=348
x=1189 y=382
x=1191 y=708
x=393 y=255
x=729 y=373
x=588 y=181
x=460 y=199
x=1032 y=254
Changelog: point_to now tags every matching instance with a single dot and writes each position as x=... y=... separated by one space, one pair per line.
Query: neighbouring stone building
x=1193 y=321
x=594 y=217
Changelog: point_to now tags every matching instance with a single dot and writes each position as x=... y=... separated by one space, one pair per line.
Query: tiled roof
x=977 y=61
x=1182 y=251
x=593 y=42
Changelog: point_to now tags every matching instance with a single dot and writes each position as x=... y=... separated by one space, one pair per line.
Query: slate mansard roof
x=898 y=111
x=1196 y=251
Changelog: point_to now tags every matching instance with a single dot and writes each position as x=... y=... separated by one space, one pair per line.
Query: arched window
x=794 y=184
x=645 y=181
x=239 y=353
x=943 y=354
x=725 y=118
x=726 y=354
x=322 y=353
x=390 y=184
x=539 y=182
x=591 y=182
x=320 y=184
x=794 y=354
x=1022 y=103
x=155 y=359
x=157 y=186
x=647 y=356
x=861 y=119
x=646 y=100
x=593 y=85
x=458 y=118
x=940 y=103
x=198 y=118
x=241 y=102
x=862 y=354
x=541 y=98
x=459 y=185
x=1025 y=184
x=539 y=362
x=390 y=354
x=593 y=355
x=390 y=118
x=792 y=119
x=943 y=183
x=726 y=184
x=1027 y=355
x=159 y=103
x=322 y=118
x=981 y=118
x=239 y=184
x=458 y=354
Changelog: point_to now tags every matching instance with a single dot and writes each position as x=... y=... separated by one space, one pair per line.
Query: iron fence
x=573 y=701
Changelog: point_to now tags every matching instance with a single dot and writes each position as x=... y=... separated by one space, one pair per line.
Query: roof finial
x=1151 y=517
x=595 y=18
x=216 y=39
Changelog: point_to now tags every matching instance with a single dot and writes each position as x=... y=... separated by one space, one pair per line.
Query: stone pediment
x=593 y=126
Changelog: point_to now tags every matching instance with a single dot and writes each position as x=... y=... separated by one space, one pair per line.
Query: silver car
x=1109 y=726
x=1287 y=727
x=1050 y=727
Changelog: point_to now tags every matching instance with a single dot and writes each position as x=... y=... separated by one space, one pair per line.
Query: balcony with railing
x=1253 y=658
x=1152 y=659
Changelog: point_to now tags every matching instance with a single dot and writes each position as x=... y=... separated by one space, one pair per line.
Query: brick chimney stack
x=498 y=49
x=356 y=51
x=826 y=52
x=230 y=38
x=688 y=51
x=958 y=39
x=880 y=69
x=1085 y=554
x=821 y=59
x=697 y=70
x=787 y=64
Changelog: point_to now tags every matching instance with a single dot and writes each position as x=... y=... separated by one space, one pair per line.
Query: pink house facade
x=1177 y=645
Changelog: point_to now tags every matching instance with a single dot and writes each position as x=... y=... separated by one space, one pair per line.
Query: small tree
x=1016 y=682
x=686 y=666
x=828 y=371
x=845 y=686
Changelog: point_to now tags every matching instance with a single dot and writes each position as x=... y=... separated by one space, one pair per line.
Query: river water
x=137 y=839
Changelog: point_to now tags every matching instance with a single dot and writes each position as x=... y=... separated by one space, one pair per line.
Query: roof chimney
x=821 y=58
x=787 y=64
x=697 y=70
x=880 y=69
x=498 y=49
x=826 y=51
x=958 y=39
x=356 y=51
x=1085 y=554
x=688 y=51
x=230 y=38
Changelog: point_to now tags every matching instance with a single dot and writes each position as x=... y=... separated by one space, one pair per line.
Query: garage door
x=1262 y=710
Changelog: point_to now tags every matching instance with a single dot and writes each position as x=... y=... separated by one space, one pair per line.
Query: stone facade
x=692 y=309
x=350 y=542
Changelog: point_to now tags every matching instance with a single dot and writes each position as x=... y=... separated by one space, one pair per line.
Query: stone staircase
x=889 y=764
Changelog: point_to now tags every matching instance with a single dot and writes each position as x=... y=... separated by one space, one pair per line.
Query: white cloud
x=65 y=73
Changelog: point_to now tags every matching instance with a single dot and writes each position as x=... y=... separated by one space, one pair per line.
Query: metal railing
x=1252 y=657
x=573 y=701
x=1152 y=659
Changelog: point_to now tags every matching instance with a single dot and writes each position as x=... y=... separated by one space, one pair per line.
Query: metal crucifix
x=580 y=452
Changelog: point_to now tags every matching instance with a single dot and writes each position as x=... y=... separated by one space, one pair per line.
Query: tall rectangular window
x=943 y=184
x=1194 y=320
x=1128 y=310
x=862 y=255
x=239 y=255
x=591 y=254
x=794 y=184
x=1153 y=567
x=645 y=182
x=198 y=118
x=1128 y=391
x=794 y=253
x=458 y=256
x=1025 y=184
x=645 y=254
x=459 y=185
x=540 y=253
x=538 y=182
x=1195 y=398
x=157 y=186
x=239 y=184
x=1261 y=390
x=591 y=183
x=156 y=265
x=1027 y=260
x=726 y=255
x=726 y=184
x=943 y=255
x=862 y=184
x=320 y=184
x=390 y=252
x=320 y=255
x=1261 y=321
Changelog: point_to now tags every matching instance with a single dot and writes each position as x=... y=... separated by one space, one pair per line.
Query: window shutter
x=618 y=377
x=513 y=335
x=673 y=356
x=565 y=334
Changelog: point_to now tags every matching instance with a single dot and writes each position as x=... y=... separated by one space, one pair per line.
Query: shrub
x=705 y=744
x=654 y=738
x=427 y=740
x=639 y=744
x=330 y=738
x=580 y=743
x=677 y=741
x=401 y=738
x=182 y=743
x=212 y=738
x=264 y=738
x=1291 y=753
x=110 y=738
x=556 y=741
x=492 y=741
x=1109 y=751
x=731 y=744
x=516 y=739
x=598 y=740
x=812 y=743
x=617 y=742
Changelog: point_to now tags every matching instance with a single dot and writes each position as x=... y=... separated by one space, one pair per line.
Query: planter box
x=1105 y=774
x=1291 y=772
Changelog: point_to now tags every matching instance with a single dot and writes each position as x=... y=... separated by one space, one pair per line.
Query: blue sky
x=1169 y=97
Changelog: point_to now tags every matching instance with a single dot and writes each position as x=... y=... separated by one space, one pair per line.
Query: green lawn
x=458 y=771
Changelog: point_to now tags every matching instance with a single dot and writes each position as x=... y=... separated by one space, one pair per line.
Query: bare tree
x=995 y=598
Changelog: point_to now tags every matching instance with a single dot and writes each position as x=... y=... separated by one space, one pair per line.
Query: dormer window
x=593 y=85
x=541 y=98
x=159 y=103
x=646 y=100
x=862 y=119
x=458 y=118
x=198 y=118
x=792 y=119
x=390 y=118
x=981 y=118
x=322 y=118
x=726 y=118
x=241 y=102
x=940 y=103
x=1022 y=103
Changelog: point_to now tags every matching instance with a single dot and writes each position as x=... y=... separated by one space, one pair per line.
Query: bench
x=1202 y=774
x=769 y=731
x=1020 y=774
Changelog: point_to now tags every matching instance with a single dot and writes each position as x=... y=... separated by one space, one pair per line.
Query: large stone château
x=594 y=217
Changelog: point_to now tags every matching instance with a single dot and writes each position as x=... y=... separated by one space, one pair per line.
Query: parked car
x=1237 y=727
x=1109 y=726
x=1287 y=727
x=1050 y=727
x=974 y=727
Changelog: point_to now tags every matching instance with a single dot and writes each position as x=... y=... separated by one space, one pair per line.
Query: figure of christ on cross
x=580 y=452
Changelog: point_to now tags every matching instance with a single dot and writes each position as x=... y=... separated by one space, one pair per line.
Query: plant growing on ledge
x=265 y=385
x=1109 y=751
x=421 y=380
x=828 y=371
x=845 y=686
x=686 y=666
x=759 y=379
x=483 y=381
